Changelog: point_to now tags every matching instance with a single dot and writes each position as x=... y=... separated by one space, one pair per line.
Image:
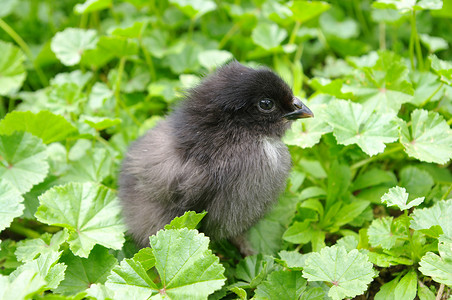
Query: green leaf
x=374 y=177
x=407 y=5
x=407 y=286
x=348 y=273
x=82 y=272
x=429 y=138
x=346 y=29
x=386 y=292
x=10 y=204
x=304 y=11
x=48 y=243
x=433 y=43
x=299 y=232
x=282 y=284
x=427 y=88
x=265 y=236
x=90 y=212
x=189 y=220
x=397 y=196
x=437 y=215
x=292 y=259
x=146 y=257
x=354 y=124
x=25 y=285
x=44 y=124
x=268 y=36
x=417 y=181
x=129 y=280
x=384 y=86
x=195 y=8
x=12 y=71
x=442 y=68
x=94 y=166
x=100 y=123
x=306 y=133
x=254 y=269
x=380 y=233
x=7 y=6
x=129 y=30
x=439 y=267
x=22 y=160
x=91 y=6
x=184 y=60
x=186 y=266
x=69 y=44
x=47 y=267
x=211 y=59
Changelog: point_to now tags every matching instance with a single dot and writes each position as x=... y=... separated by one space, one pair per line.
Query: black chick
x=219 y=151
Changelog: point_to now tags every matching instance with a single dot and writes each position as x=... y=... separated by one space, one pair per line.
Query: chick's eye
x=266 y=105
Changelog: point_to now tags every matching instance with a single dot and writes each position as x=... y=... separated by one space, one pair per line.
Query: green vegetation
x=367 y=212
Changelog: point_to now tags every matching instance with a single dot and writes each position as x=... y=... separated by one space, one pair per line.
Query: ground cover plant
x=367 y=213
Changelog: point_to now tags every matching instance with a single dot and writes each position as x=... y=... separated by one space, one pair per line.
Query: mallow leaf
x=443 y=68
x=10 y=204
x=48 y=243
x=195 y=8
x=253 y=269
x=210 y=59
x=22 y=160
x=397 y=196
x=44 y=124
x=380 y=233
x=429 y=138
x=69 y=44
x=23 y=286
x=12 y=71
x=185 y=265
x=129 y=280
x=306 y=133
x=268 y=36
x=89 y=211
x=437 y=215
x=439 y=267
x=284 y=284
x=304 y=11
x=91 y=5
x=383 y=87
x=83 y=272
x=94 y=166
x=353 y=124
x=47 y=267
x=189 y=219
x=348 y=273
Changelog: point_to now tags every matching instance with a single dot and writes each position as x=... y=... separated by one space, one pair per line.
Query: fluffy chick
x=219 y=151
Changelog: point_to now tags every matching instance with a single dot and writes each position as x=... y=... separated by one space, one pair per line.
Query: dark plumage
x=219 y=151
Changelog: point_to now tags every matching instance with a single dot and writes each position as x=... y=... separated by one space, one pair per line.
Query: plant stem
x=19 y=41
x=22 y=230
x=122 y=63
x=382 y=35
x=414 y=41
x=440 y=292
x=293 y=34
x=432 y=95
x=229 y=34
x=360 y=16
x=447 y=193
x=376 y=157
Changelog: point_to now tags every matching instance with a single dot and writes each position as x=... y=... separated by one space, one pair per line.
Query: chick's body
x=220 y=151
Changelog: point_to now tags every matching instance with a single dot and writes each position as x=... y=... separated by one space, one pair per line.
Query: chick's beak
x=301 y=111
